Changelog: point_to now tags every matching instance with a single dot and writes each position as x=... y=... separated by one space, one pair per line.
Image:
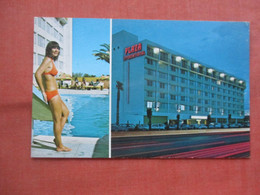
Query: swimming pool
x=89 y=117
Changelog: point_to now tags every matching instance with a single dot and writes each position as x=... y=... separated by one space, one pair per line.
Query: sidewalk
x=173 y=132
x=44 y=147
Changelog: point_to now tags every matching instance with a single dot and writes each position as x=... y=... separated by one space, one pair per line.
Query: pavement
x=116 y=134
x=44 y=147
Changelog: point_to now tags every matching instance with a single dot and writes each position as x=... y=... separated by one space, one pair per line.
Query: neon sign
x=133 y=51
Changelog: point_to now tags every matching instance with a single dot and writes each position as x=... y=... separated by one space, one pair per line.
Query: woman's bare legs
x=60 y=114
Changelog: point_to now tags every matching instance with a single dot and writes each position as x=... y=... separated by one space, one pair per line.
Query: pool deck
x=44 y=147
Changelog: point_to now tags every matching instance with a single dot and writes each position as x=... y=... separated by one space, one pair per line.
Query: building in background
x=48 y=29
x=172 y=84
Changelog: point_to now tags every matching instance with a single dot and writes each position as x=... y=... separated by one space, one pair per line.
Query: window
x=173 y=78
x=149 y=93
x=162 y=95
x=173 y=68
x=162 y=75
x=164 y=56
x=162 y=85
x=206 y=94
x=183 y=72
x=61 y=52
x=191 y=108
x=174 y=60
x=150 y=51
x=191 y=99
x=35 y=38
x=199 y=101
x=192 y=83
x=184 y=64
x=41 y=23
x=56 y=34
x=199 y=77
x=183 y=89
x=163 y=66
x=173 y=87
x=61 y=65
x=61 y=38
x=206 y=101
x=40 y=58
x=149 y=83
x=183 y=98
x=199 y=92
x=183 y=80
x=191 y=91
x=34 y=58
x=150 y=72
x=49 y=27
x=41 y=41
x=149 y=61
x=192 y=74
x=173 y=97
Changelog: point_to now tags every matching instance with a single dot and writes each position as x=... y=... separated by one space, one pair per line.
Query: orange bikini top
x=53 y=71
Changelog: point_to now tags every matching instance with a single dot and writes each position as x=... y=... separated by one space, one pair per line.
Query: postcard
x=121 y=88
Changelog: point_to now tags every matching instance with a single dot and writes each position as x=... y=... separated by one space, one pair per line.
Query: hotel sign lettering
x=133 y=51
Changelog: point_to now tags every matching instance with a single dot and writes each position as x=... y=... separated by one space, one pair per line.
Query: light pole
x=149 y=113
x=178 y=117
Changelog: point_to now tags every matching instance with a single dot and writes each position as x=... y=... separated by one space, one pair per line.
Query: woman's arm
x=38 y=75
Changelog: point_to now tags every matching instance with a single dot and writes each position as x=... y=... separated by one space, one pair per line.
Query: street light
x=150 y=111
x=178 y=116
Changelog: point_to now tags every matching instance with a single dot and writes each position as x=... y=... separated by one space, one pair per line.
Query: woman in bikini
x=45 y=77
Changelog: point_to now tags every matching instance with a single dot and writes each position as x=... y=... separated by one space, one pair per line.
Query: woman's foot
x=62 y=148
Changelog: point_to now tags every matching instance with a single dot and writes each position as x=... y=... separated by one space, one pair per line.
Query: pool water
x=89 y=117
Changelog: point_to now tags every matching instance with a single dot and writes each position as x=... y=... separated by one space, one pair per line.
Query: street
x=199 y=145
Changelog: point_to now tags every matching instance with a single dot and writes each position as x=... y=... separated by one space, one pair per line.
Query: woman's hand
x=44 y=97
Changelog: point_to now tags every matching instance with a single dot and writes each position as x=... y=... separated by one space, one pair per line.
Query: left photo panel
x=71 y=83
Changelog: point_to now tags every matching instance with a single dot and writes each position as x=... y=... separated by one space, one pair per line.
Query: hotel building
x=172 y=83
x=48 y=29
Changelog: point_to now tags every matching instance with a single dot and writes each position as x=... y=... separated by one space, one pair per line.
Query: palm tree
x=103 y=53
x=119 y=87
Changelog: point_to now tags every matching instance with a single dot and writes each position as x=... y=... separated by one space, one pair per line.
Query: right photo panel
x=180 y=89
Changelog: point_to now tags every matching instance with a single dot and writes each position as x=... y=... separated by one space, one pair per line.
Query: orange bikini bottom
x=51 y=94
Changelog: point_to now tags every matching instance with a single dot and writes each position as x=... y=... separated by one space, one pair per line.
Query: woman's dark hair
x=49 y=47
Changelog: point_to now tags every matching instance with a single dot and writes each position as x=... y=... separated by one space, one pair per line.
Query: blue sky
x=222 y=45
x=88 y=35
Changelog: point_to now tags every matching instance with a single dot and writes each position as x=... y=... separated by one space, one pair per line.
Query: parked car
x=211 y=126
x=158 y=126
x=225 y=126
x=193 y=126
x=184 y=126
x=247 y=125
x=217 y=125
x=115 y=127
x=240 y=125
x=234 y=125
x=143 y=127
x=196 y=126
x=126 y=127
x=173 y=127
x=202 y=126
